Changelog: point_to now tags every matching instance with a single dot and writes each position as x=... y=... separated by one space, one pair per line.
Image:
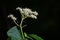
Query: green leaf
x=25 y=34
x=14 y=34
x=35 y=37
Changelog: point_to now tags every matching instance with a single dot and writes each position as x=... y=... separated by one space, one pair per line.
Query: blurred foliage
x=35 y=37
x=14 y=34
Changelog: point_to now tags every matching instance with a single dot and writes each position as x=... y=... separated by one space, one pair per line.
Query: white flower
x=33 y=16
x=35 y=13
x=28 y=12
x=20 y=9
x=12 y=17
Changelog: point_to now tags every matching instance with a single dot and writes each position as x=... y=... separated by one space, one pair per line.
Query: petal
x=20 y=9
x=35 y=13
x=33 y=16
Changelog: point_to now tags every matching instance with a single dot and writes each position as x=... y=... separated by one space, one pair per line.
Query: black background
x=46 y=26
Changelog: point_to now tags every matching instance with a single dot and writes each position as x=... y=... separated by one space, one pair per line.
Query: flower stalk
x=21 y=28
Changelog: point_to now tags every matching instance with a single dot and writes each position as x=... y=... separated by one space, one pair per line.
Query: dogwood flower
x=12 y=17
x=27 y=12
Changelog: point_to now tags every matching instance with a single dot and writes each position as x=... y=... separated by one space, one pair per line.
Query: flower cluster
x=27 y=12
x=12 y=17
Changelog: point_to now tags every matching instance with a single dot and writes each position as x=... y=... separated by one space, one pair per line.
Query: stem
x=30 y=38
x=21 y=28
x=16 y=23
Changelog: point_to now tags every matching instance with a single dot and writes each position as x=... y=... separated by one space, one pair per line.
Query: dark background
x=46 y=26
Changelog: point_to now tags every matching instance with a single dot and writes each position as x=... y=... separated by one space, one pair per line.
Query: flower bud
x=33 y=16
x=35 y=13
x=20 y=9
x=12 y=17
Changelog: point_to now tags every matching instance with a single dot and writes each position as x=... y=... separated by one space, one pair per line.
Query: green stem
x=21 y=28
x=16 y=23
